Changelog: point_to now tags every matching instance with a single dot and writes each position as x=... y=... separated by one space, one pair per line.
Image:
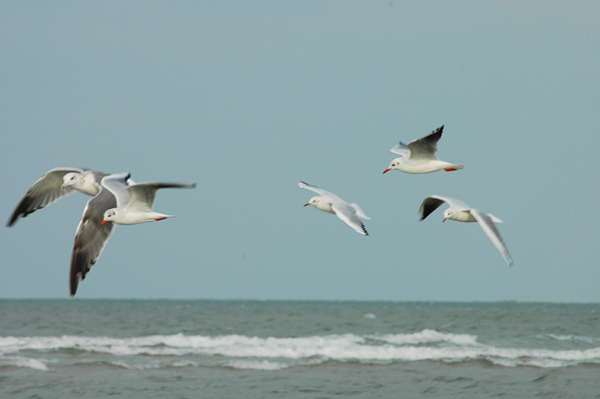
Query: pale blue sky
x=248 y=98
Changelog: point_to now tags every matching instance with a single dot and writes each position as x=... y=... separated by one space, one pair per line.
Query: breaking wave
x=244 y=352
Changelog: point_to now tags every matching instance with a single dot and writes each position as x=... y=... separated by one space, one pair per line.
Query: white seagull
x=418 y=156
x=92 y=235
x=462 y=212
x=329 y=202
x=134 y=202
x=94 y=231
x=55 y=184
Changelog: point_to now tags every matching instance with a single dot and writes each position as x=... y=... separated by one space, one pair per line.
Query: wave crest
x=273 y=353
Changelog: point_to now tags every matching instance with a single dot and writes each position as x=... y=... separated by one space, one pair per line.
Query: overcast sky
x=248 y=98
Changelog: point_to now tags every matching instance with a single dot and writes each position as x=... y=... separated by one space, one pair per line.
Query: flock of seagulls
x=417 y=157
x=119 y=200
x=116 y=200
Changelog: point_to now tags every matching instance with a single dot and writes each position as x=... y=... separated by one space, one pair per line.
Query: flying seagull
x=418 y=156
x=462 y=212
x=55 y=184
x=329 y=202
x=94 y=231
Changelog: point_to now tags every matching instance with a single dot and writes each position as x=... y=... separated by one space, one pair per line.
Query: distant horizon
x=298 y=300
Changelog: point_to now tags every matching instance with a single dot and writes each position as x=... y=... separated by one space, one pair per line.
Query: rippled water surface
x=255 y=349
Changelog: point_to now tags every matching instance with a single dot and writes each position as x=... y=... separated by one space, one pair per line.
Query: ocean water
x=297 y=349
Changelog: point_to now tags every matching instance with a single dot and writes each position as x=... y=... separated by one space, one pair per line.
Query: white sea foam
x=147 y=365
x=17 y=361
x=428 y=337
x=256 y=365
x=259 y=353
x=120 y=363
x=574 y=338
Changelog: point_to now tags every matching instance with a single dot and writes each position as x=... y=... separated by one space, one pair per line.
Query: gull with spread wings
x=55 y=184
x=95 y=229
x=329 y=202
x=462 y=212
x=418 y=156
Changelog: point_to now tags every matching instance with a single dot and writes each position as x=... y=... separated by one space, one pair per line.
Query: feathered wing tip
x=429 y=205
x=495 y=219
x=75 y=274
x=302 y=184
x=363 y=229
x=359 y=212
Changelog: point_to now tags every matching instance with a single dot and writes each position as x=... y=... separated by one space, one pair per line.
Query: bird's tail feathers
x=359 y=212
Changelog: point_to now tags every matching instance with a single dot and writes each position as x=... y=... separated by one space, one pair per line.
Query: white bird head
x=313 y=201
x=393 y=165
x=108 y=216
x=448 y=214
x=321 y=204
x=71 y=179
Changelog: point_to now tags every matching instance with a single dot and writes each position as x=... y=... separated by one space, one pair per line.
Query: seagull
x=329 y=202
x=134 y=202
x=462 y=212
x=92 y=235
x=55 y=184
x=418 y=156
x=94 y=231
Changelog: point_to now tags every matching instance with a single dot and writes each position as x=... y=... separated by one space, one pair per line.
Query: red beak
x=307 y=204
x=387 y=170
x=102 y=224
x=444 y=220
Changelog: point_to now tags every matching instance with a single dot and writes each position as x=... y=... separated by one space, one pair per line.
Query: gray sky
x=248 y=98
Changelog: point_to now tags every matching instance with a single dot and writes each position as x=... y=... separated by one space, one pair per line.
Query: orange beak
x=387 y=170
x=444 y=220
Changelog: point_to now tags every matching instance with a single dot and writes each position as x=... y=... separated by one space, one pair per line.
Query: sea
x=77 y=348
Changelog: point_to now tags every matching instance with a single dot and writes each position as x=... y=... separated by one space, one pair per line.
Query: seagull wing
x=327 y=195
x=45 y=191
x=401 y=149
x=91 y=237
x=117 y=184
x=426 y=146
x=433 y=202
x=359 y=212
x=316 y=189
x=348 y=215
x=493 y=234
x=142 y=195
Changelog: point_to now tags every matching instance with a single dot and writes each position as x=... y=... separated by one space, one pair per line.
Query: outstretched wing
x=91 y=237
x=493 y=234
x=401 y=149
x=315 y=189
x=433 y=202
x=347 y=214
x=326 y=195
x=142 y=195
x=44 y=192
x=426 y=146
x=117 y=184
x=359 y=212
